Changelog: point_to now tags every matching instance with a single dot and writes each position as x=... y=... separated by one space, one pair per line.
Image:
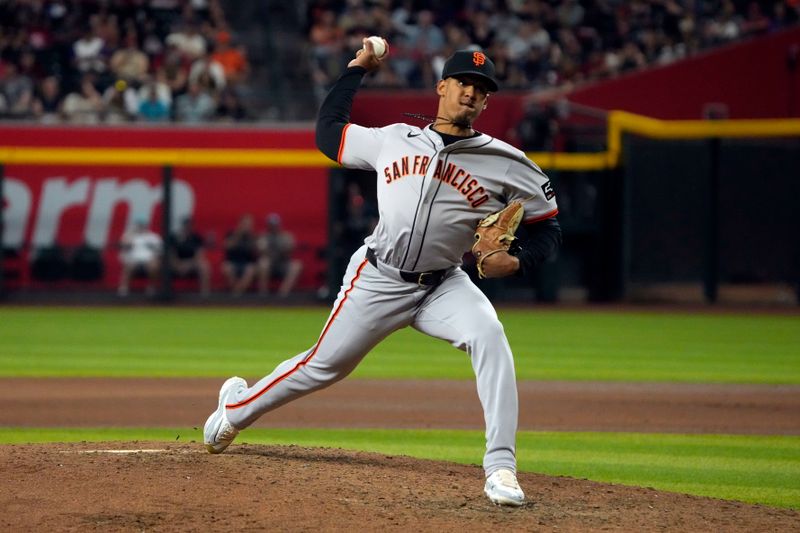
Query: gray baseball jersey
x=431 y=196
x=430 y=199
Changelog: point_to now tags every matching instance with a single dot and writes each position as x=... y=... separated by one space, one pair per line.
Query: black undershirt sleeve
x=535 y=243
x=334 y=114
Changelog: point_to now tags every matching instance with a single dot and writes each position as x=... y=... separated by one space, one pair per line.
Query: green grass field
x=548 y=344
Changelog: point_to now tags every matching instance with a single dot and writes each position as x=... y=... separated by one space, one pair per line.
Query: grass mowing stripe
x=548 y=344
x=749 y=468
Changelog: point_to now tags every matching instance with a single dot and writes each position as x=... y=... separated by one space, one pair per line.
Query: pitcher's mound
x=147 y=486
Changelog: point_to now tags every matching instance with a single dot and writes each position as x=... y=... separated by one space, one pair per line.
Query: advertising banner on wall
x=72 y=205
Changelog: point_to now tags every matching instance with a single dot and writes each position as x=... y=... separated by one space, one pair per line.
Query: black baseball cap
x=471 y=62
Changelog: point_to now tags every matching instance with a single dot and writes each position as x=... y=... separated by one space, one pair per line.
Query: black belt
x=428 y=279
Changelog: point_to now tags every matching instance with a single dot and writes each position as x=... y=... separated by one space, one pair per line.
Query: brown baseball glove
x=495 y=233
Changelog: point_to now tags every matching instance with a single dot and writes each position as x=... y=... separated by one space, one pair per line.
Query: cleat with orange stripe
x=218 y=433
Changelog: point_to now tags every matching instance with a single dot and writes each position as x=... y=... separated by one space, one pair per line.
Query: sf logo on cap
x=478 y=58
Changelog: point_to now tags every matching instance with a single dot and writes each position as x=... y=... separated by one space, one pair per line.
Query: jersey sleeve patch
x=549 y=193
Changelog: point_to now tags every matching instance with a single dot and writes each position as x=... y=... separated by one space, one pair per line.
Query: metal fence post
x=2 y=228
x=625 y=222
x=711 y=278
x=166 y=232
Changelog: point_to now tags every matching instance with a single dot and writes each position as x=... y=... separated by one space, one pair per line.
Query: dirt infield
x=651 y=407
x=178 y=487
x=262 y=488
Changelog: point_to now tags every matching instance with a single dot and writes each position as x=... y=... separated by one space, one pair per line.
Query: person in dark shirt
x=188 y=257
x=275 y=261
x=241 y=256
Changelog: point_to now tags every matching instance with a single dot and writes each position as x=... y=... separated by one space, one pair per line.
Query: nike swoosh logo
x=410 y=134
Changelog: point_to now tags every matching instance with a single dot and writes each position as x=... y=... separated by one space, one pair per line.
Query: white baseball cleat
x=502 y=488
x=218 y=433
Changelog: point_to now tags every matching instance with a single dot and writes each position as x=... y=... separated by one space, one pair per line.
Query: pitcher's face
x=462 y=98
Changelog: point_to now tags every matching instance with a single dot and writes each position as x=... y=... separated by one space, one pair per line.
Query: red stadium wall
x=753 y=79
x=70 y=205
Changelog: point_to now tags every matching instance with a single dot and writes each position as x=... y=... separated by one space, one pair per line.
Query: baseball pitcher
x=443 y=190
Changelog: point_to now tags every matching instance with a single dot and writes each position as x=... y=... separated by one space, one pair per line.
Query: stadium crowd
x=112 y=61
x=116 y=61
x=535 y=44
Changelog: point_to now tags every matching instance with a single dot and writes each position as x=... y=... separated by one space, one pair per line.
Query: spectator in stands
x=197 y=10
x=120 y=103
x=231 y=58
x=174 y=71
x=362 y=217
x=48 y=100
x=84 y=106
x=670 y=51
x=594 y=67
x=631 y=58
x=166 y=14
x=651 y=44
x=241 y=256
x=424 y=40
x=456 y=38
x=216 y=15
x=152 y=44
x=88 y=52
x=207 y=73
x=188 y=40
x=781 y=17
x=536 y=130
x=755 y=22
x=106 y=25
x=570 y=13
x=522 y=41
x=230 y=107
x=30 y=66
x=275 y=260
x=481 y=32
x=188 y=257
x=158 y=84
x=539 y=37
x=17 y=90
x=325 y=34
x=575 y=40
x=153 y=107
x=724 y=27
x=196 y=106
x=130 y=63
x=325 y=68
x=140 y=256
x=70 y=39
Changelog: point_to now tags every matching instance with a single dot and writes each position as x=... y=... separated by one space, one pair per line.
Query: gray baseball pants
x=374 y=302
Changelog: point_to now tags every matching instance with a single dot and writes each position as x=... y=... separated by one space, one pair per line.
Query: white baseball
x=378 y=45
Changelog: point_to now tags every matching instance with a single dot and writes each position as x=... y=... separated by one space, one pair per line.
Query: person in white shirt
x=140 y=254
x=87 y=52
x=189 y=41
